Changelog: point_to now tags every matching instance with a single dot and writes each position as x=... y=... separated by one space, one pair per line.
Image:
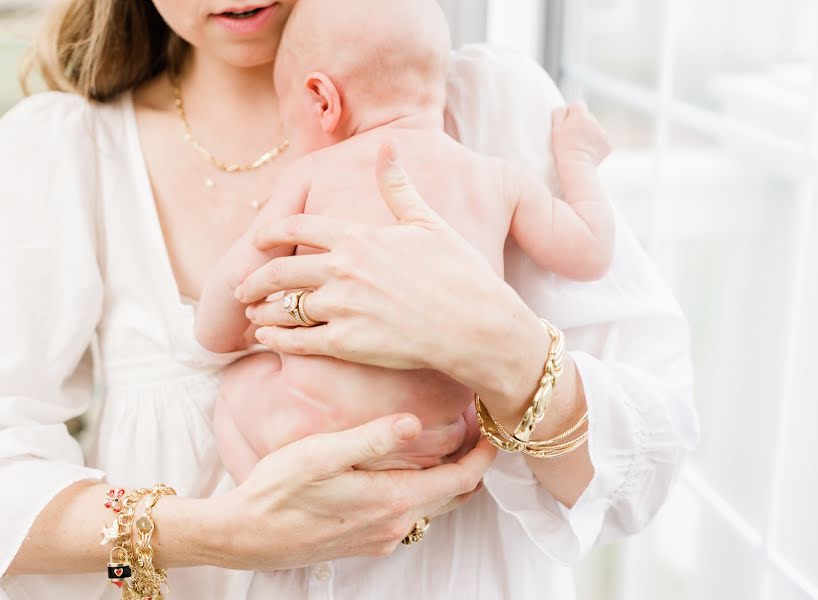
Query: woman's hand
x=410 y=295
x=305 y=504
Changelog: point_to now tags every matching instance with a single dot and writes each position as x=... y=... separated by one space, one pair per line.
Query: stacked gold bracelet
x=520 y=439
x=134 y=572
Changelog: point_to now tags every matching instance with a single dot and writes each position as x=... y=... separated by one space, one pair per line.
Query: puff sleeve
x=626 y=333
x=51 y=302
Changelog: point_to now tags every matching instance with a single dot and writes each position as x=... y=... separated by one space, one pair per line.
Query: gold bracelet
x=539 y=404
x=554 y=441
x=553 y=448
x=120 y=571
x=520 y=440
x=134 y=572
x=147 y=581
x=560 y=450
x=542 y=397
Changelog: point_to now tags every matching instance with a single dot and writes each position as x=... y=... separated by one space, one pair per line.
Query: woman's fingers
x=456 y=502
x=303 y=230
x=430 y=449
x=301 y=341
x=397 y=190
x=285 y=273
x=338 y=452
x=439 y=485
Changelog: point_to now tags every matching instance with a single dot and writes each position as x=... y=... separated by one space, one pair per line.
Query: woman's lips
x=245 y=20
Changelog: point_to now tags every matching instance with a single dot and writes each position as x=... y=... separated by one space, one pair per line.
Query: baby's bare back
x=464 y=188
x=313 y=394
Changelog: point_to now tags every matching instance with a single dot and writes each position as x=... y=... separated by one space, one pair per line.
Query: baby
x=352 y=76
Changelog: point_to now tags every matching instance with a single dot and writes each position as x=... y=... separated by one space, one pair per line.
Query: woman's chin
x=244 y=57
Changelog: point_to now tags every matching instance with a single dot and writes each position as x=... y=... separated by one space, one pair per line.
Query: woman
x=113 y=213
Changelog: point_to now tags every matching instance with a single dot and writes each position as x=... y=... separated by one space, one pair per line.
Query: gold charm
x=119 y=570
x=109 y=534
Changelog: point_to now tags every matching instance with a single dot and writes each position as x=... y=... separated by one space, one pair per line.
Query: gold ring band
x=294 y=304
x=417 y=533
x=301 y=309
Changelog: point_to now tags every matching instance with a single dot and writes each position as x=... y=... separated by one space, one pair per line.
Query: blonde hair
x=101 y=48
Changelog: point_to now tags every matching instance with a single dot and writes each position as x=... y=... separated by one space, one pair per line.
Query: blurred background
x=712 y=106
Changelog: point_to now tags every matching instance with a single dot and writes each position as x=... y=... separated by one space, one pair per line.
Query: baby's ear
x=325 y=99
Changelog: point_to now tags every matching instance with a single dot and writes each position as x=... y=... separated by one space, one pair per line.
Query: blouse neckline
x=146 y=195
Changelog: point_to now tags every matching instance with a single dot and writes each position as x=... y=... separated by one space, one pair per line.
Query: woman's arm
x=420 y=281
x=301 y=505
x=65 y=537
x=52 y=510
x=496 y=345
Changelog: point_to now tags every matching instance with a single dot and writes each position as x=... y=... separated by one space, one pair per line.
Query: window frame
x=798 y=160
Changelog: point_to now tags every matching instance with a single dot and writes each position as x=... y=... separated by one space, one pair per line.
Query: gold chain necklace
x=209 y=157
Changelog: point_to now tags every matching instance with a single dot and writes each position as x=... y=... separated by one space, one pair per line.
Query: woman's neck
x=233 y=104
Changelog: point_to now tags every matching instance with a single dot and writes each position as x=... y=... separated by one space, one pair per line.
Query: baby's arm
x=221 y=323
x=573 y=236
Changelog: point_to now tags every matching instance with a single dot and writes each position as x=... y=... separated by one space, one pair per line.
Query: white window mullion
x=781 y=154
x=665 y=77
x=808 y=195
x=573 y=46
x=788 y=161
x=713 y=501
x=632 y=551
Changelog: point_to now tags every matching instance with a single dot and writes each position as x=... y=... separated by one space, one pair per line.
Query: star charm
x=109 y=534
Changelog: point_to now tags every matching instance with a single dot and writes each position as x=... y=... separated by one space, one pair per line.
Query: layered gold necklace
x=224 y=167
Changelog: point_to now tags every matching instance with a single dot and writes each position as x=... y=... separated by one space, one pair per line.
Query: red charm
x=114 y=501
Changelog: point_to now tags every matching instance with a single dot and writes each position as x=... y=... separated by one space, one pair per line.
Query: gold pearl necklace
x=222 y=166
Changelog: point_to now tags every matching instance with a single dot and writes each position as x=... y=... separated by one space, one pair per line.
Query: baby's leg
x=238 y=395
x=237 y=455
x=269 y=405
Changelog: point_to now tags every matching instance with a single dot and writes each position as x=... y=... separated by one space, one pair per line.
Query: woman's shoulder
x=49 y=119
x=500 y=102
x=52 y=112
x=49 y=156
x=487 y=64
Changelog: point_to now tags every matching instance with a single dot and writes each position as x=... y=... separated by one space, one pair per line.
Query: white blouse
x=82 y=258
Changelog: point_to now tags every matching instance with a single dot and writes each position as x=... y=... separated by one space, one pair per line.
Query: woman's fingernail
x=239 y=293
x=250 y=313
x=407 y=428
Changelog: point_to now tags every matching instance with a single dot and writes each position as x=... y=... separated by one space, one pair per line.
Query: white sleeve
x=50 y=305
x=626 y=333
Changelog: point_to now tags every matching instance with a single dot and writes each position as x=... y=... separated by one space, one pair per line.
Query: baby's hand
x=578 y=136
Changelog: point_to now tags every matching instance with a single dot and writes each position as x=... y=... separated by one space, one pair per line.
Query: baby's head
x=346 y=66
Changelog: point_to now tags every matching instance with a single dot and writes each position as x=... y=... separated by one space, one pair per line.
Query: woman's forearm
x=506 y=373
x=65 y=537
x=294 y=509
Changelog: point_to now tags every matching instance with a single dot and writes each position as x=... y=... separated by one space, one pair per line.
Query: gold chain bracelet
x=120 y=571
x=520 y=440
x=134 y=572
x=147 y=580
